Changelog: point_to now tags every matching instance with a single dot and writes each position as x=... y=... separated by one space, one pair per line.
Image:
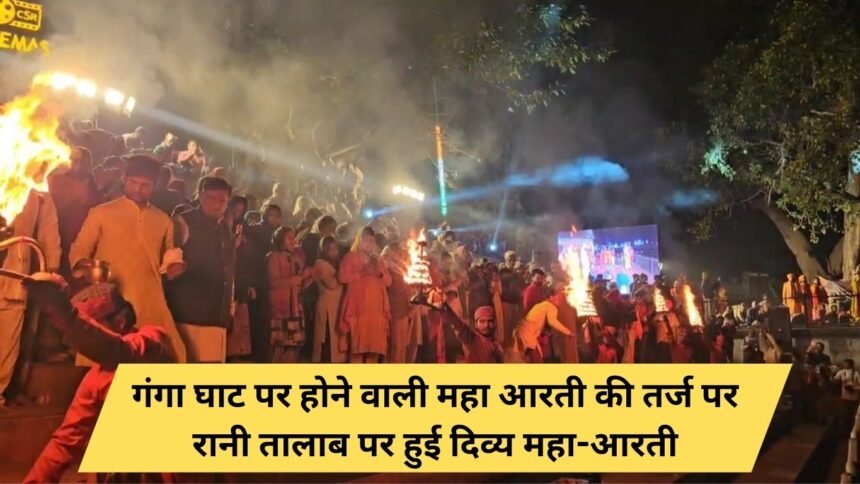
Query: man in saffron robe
x=805 y=296
x=99 y=324
x=526 y=347
x=790 y=296
x=819 y=300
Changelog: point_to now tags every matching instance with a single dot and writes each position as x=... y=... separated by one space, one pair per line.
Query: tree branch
x=821 y=113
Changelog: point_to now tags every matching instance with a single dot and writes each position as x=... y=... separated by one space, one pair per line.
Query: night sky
x=662 y=47
x=612 y=110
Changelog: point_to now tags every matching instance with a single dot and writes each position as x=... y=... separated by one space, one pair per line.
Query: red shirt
x=532 y=295
x=606 y=354
x=108 y=349
x=477 y=347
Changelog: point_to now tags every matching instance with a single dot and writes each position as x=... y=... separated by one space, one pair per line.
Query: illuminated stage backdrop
x=616 y=253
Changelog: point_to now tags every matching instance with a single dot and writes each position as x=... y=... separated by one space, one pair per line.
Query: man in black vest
x=201 y=298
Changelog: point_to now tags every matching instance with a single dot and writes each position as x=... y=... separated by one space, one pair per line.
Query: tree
x=783 y=131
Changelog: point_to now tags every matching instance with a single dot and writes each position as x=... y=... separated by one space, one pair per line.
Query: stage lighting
x=368 y=213
x=86 y=88
x=130 y=103
x=61 y=81
x=114 y=97
x=493 y=247
x=409 y=192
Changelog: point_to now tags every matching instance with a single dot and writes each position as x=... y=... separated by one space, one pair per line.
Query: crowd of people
x=150 y=272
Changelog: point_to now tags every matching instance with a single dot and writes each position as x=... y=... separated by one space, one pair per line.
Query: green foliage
x=545 y=36
x=783 y=115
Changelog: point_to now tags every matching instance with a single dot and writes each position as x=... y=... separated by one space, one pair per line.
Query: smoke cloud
x=351 y=74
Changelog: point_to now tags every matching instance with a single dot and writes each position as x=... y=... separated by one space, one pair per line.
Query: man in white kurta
x=39 y=221
x=132 y=236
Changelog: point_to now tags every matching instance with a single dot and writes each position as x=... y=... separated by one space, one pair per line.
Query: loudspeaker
x=779 y=324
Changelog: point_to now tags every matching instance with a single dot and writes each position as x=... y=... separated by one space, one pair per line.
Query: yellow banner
x=474 y=418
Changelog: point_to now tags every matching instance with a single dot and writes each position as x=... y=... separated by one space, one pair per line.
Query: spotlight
x=409 y=192
x=368 y=213
x=61 y=81
x=130 y=103
x=86 y=88
x=114 y=97
x=493 y=247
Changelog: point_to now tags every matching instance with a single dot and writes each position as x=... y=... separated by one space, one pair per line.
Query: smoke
x=681 y=199
x=339 y=78
x=351 y=73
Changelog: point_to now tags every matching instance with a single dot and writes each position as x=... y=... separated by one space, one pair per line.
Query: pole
x=440 y=162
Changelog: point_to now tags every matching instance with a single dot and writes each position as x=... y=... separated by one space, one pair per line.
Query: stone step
x=25 y=431
x=18 y=473
x=58 y=381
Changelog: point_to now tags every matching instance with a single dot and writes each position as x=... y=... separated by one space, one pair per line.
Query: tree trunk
x=851 y=241
x=834 y=261
x=796 y=241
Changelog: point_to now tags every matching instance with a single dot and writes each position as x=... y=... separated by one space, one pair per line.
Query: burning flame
x=690 y=306
x=576 y=265
x=418 y=272
x=29 y=150
x=659 y=301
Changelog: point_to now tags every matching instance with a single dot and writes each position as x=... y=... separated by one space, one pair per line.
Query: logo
x=21 y=15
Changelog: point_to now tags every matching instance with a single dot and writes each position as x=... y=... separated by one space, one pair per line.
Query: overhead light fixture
x=129 y=106
x=408 y=192
x=114 y=97
x=86 y=88
x=62 y=81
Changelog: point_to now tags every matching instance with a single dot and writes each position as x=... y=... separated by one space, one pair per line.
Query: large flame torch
x=29 y=151
x=418 y=273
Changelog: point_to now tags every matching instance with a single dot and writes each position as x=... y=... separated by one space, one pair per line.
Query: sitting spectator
x=163 y=152
x=134 y=141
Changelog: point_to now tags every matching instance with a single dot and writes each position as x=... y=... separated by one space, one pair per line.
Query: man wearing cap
x=479 y=342
x=99 y=324
x=133 y=236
